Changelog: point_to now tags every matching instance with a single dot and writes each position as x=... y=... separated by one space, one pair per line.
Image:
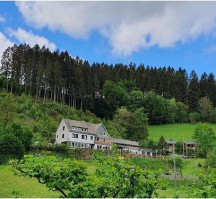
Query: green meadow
x=178 y=132
x=12 y=186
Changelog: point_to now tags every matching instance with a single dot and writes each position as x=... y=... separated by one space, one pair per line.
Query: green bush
x=10 y=147
x=211 y=159
x=213 y=116
x=23 y=134
x=62 y=148
x=194 y=117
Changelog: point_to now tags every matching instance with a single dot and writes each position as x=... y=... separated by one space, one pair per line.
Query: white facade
x=147 y=152
x=136 y=151
x=132 y=150
x=79 y=136
x=62 y=133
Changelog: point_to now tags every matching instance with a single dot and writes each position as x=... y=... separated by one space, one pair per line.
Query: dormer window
x=74 y=128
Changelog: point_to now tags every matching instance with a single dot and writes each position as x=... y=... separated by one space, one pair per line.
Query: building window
x=62 y=135
x=96 y=138
x=84 y=137
x=73 y=128
x=63 y=128
x=72 y=144
x=57 y=136
x=91 y=137
x=74 y=135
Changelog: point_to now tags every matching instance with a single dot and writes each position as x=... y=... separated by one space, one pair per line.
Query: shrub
x=23 y=134
x=211 y=159
x=199 y=164
x=10 y=147
x=62 y=148
x=194 y=117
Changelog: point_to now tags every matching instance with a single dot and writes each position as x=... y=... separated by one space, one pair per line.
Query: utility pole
x=174 y=161
x=183 y=148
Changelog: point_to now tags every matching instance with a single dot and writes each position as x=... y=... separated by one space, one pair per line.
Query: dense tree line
x=99 y=87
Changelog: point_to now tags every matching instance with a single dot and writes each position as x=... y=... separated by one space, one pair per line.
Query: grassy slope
x=176 y=132
x=24 y=187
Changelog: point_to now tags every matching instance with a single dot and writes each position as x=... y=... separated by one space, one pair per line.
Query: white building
x=83 y=134
x=87 y=135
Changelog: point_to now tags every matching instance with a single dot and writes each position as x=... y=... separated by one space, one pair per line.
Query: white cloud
x=4 y=44
x=29 y=38
x=129 y=26
x=2 y=19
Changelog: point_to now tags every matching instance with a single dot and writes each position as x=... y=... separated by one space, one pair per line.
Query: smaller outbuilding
x=190 y=148
x=170 y=144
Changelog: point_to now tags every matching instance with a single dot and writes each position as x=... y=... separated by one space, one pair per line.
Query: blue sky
x=177 y=34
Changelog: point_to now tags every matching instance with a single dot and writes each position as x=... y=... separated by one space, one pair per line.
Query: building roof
x=170 y=142
x=92 y=128
x=147 y=149
x=190 y=142
x=125 y=142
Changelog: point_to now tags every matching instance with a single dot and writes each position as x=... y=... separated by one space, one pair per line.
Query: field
x=12 y=186
x=178 y=132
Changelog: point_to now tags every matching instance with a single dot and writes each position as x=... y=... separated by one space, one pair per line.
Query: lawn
x=178 y=132
x=12 y=186
x=191 y=166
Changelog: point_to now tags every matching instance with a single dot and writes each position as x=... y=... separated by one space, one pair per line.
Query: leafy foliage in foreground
x=112 y=178
x=205 y=186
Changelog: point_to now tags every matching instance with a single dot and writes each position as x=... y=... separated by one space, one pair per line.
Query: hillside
x=43 y=118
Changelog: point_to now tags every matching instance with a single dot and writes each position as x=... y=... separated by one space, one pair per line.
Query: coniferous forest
x=166 y=95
